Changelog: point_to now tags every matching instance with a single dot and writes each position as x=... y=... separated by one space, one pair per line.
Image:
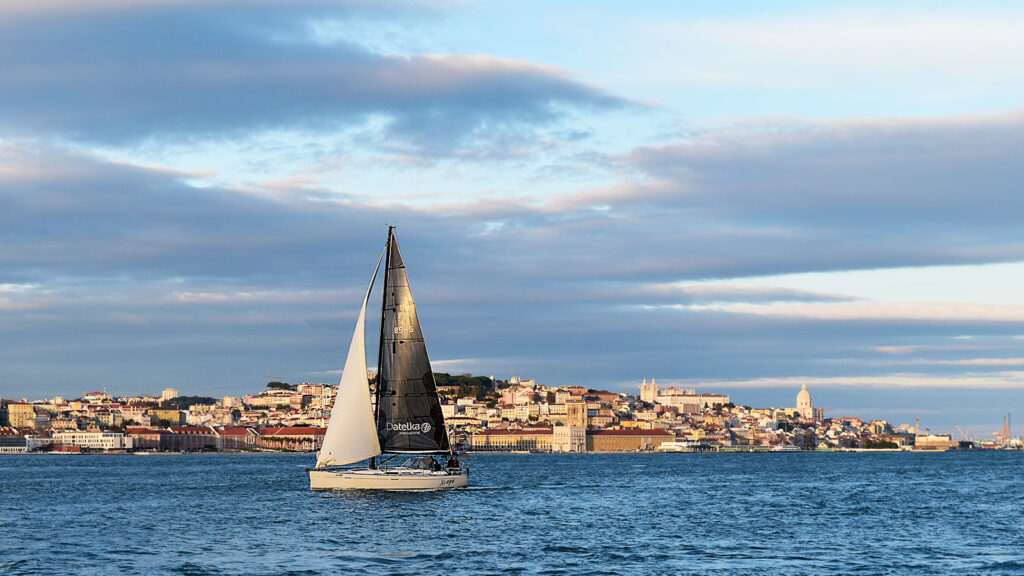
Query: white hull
x=365 y=479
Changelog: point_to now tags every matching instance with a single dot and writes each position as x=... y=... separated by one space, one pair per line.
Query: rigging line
x=380 y=346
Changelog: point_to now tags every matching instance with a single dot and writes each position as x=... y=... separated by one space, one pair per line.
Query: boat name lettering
x=423 y=427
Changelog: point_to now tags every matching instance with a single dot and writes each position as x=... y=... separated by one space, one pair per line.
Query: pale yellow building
x=20 y=413
x=626 y=440
x=532 y=439
x=175 y=417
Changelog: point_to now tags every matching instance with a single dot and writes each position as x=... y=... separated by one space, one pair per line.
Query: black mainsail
x=409 y=418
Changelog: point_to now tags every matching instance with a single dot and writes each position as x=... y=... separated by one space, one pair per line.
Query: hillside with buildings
x=483 y=414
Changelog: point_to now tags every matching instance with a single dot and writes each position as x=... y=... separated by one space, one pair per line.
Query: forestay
x=351 y=434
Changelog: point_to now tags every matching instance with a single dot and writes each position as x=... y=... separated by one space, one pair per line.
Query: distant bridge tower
x=648 y=393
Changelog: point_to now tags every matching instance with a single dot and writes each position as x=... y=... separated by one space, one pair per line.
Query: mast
x=378 y=394
x=380 y=345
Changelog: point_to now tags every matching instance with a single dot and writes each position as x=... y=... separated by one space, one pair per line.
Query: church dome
x=804 y=397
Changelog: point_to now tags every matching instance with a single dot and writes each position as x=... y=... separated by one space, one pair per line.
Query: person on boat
x=435 y=465
x=453 y=462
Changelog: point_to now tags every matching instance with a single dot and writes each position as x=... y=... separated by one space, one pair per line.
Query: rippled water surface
x=817 y=513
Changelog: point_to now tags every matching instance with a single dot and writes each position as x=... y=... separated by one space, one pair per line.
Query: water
x=830 y=513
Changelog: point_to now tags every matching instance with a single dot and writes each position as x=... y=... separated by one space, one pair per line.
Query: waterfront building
x=13 y=445
x=565 y=438
x=146 y=438
x=935 y=442
x=237 y=438
x=11 y=442
x=93 y=440
x=527 y=438
x=194 y=438
x=306 y=438
x=626 y=440
x=572 y=435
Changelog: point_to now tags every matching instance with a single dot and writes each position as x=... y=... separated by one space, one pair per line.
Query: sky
x=739 y=197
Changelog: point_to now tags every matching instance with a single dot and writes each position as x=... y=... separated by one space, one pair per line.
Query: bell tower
x=576 y=413
x=648 y=393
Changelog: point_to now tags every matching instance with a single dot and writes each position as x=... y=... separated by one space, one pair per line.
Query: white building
x=13 y=445
x=568 y=438
x=687 y=401
x=572 y=435
x=167 y=394
x=648 y=393
x=231 y=402
x=94 y=440
x=803 y=404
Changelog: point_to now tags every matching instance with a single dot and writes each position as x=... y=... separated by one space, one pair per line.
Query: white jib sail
x=352 y=434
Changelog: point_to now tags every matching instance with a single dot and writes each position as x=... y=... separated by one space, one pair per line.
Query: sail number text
x=399 y=317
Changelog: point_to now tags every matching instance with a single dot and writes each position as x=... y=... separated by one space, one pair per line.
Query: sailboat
x=399 y=430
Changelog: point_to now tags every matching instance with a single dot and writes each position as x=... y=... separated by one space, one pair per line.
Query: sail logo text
x=409 y=427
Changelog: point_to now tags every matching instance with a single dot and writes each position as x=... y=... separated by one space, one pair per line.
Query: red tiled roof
x=293 y=431
x=234 y=431
x=193 y=430
x=629 y=432
x=524 y=432
x=144 y=430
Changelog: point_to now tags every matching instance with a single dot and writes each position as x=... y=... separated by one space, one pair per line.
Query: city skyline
x=742 y=198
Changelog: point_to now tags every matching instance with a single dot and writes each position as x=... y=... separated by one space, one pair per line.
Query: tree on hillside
x=279 y=385
x=184 y=402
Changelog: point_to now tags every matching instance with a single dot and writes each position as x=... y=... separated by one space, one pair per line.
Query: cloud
x=132 y=266
x=710 y=294
x=121 y=73
x=976 y=362
x=967 y=381
x=861 y=47
x=910 y=349
x=853 y=311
